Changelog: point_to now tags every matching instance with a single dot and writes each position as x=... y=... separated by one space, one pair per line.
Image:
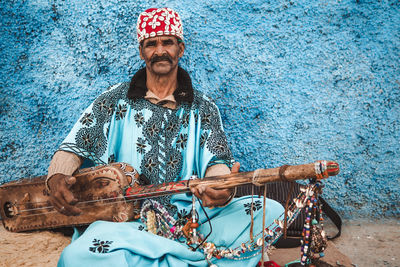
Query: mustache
x=156 y=58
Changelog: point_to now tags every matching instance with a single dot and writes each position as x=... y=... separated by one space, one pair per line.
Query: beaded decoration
x=157 y=22
x=314 y=240
x=321 y=169
x=162 y=223
x=165 y=225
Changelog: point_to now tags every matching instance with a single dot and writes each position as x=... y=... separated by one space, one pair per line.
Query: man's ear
x=182 y=49
x=141 y=52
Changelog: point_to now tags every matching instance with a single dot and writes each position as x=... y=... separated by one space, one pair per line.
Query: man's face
x=161 y=54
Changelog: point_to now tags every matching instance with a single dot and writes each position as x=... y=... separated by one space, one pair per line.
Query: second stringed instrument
x=107 y=193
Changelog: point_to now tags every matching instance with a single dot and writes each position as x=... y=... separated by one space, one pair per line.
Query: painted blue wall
x=295 y=81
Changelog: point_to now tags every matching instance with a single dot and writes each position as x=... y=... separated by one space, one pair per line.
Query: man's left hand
x=213 y=197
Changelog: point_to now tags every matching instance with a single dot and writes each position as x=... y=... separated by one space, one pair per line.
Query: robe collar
x=184 y=92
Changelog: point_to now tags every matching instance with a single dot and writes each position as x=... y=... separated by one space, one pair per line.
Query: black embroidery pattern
x=175 y=139
x=153 y=127
x=256 y=206
x=84 y=138
x=218 y=145
x=121 y=111
x=150 y=164
x=185 y=120
x=141 y=145
x=153 y=130
x=100 y=246
x=102 y=105
x=183 y=216
x=87 y=119
x=100 y=144
x=110 y=110
x=203 y=139
x=92 y=139
x=182 y=140
x=209 y=116
x=164 y=133
x=89 y=140
x=172 y=128
x=174 y=162
x=215 y=141
x=139 y=119
x=111 y=158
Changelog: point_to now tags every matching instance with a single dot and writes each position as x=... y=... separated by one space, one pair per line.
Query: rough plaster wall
x=295 y=81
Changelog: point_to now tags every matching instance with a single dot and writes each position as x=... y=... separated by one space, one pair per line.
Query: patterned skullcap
x=159 y=21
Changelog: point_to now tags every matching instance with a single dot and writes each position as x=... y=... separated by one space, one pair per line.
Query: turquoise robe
x=164 y=145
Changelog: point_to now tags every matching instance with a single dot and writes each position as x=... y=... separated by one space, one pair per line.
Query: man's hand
x=60 y=195
x=212 y=197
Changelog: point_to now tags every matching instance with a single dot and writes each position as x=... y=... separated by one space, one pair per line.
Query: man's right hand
x=61 y=196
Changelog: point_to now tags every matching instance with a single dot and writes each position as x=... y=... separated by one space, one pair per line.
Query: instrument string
x=55 y=211
x=108 y=201
x=143 y=195
x=86 y=207
x=115 y=200
x=83 y=207
x=123 y=198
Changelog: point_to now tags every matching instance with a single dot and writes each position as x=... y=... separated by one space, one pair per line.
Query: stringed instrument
x=113 y=193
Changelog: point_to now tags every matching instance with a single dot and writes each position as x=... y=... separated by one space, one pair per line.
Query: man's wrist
x=232 y=195
x=46 y=182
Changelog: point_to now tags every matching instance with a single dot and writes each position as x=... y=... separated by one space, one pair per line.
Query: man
x=167 y=131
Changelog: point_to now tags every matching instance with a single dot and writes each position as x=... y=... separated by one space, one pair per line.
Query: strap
x=332 y=214
x=286 y=210
x=289 y=242
x=282 y=176
x=292 y=242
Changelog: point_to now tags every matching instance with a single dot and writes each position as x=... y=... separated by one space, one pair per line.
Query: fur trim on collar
x=184 y=92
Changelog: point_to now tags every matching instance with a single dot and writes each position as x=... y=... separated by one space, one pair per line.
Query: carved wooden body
x=25 y=203
x=107 y=193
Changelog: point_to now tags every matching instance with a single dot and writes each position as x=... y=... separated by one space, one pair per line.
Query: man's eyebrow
x=150 y=43
x=168 y=41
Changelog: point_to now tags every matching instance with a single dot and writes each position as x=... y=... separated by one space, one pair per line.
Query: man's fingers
x=69 y=210
x=217 y=194
x=60 y=195
x=69 y=197
x=70 y=180
x=201 y=188
x=69 y=201
x=209 y=196
x=212 y=197
x=235 y=167
x=66 y=193
x=202 y=196
x=63 y=206
x=72 y=210
x=56 y=204
x=195 y=192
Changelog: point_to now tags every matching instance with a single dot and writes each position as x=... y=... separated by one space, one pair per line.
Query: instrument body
x=25 y=205
x=113 y=193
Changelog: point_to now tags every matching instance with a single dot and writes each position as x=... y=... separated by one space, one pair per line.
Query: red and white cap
x=159 y=21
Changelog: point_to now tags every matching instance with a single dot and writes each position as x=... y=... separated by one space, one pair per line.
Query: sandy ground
x=31 y=249
x=366 y=243
x=369 y=243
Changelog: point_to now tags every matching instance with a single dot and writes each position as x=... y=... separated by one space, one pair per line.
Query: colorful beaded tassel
x=314 y=239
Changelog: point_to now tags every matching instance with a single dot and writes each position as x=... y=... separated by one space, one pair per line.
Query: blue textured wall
x=296 y=81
